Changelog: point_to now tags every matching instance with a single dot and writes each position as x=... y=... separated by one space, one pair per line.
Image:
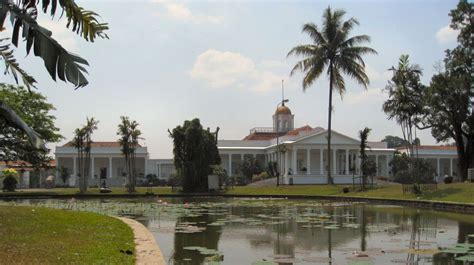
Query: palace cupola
x=283 y=120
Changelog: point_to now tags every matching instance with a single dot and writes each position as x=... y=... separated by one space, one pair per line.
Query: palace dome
x=283 y=110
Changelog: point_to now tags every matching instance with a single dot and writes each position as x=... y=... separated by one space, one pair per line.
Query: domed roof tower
x=283 y=120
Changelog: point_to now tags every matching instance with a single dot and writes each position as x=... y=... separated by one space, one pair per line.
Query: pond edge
x=147 y=250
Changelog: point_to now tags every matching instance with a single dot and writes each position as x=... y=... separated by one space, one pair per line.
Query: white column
x=294 y=166
x=74 y=168
x=160 y=170
x=438 y=167
x=451 y=167
x=254 y=155
x=308 y=161
x=377 y=164
x=387 y=157
x=347 y=161
x=230 y=165
x=287 y=163
x=110 y=168
x=334 y=164
x=92 y=167
x=321 y=162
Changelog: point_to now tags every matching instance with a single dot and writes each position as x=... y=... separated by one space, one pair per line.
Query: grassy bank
x=457 y=192
x=33 y=235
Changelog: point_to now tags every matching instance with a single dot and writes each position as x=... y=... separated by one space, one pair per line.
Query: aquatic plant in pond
x=246 y=231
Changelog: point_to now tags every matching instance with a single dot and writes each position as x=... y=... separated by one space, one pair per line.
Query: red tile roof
x=433 y=147
x=271 y=135
x=298 y=130
x=99 y=144
x=22 y=165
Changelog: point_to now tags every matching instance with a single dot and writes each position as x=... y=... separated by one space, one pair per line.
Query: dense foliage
x=367 y=166
x=422 y=172
x=334 y=49
x=195 y=152
x=394 y=141
x=10 y=179
x=446 y=106
x=34 y=109
x=251 y=167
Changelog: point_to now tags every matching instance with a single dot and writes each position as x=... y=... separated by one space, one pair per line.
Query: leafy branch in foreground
x=12 y=67
x=58 y=61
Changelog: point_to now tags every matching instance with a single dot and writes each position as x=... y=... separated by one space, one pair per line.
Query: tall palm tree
x=332 y=48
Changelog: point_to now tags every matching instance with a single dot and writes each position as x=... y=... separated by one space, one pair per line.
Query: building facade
x=303 y=156
x=108 y=164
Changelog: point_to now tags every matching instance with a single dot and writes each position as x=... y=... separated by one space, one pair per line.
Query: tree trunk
x=330 y=181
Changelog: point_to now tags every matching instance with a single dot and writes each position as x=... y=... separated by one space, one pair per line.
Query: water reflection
x=380 y=235
x=239 y=231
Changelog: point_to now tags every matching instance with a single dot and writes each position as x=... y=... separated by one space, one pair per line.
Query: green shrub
x=448 y=180
x=10 y=179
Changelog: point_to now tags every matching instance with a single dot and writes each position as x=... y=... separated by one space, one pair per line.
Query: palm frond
x=353 y=41
x=313 y=71
x=303 y=50
x=58 y=61
x=84 y=22
x=314 y=33
x=12 y=67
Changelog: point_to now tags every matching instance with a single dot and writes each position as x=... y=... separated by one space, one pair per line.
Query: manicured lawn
x=458 y=192
x=74 y=191
x=35 y=235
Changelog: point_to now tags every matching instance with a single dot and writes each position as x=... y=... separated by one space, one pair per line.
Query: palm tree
x=129 y=136
x=332 y=48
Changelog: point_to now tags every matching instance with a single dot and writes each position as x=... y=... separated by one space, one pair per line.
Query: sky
x=223 y=62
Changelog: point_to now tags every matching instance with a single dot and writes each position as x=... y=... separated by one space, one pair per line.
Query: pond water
x=284 y=231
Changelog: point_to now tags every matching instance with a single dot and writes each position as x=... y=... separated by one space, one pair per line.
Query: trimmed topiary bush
x=10 y=179
x=345 y=190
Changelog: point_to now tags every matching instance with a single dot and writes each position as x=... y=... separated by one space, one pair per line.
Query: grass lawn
x=457 y=192
x=35 y=235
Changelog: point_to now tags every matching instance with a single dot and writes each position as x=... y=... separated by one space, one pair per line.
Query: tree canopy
x=34 y=109
x=195 y=152
x=394 y=141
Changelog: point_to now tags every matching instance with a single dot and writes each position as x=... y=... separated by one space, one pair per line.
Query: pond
x=285 y=231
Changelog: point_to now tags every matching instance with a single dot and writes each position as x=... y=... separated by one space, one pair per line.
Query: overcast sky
x=223 y=62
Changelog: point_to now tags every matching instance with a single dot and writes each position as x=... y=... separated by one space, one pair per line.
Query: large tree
x=129 y=136
x=449 y=99
x=394 y=141
x=332 y=49
x=59 y=62
x=34 y=109
x=195 y=152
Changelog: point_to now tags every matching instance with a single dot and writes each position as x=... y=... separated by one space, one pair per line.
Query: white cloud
x=227 y=69
x=377 y=76
x=181 y=12
x=446 y=35
x=363 y=97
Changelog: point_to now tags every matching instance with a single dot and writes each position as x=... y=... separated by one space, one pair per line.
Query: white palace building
x=304 y=160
